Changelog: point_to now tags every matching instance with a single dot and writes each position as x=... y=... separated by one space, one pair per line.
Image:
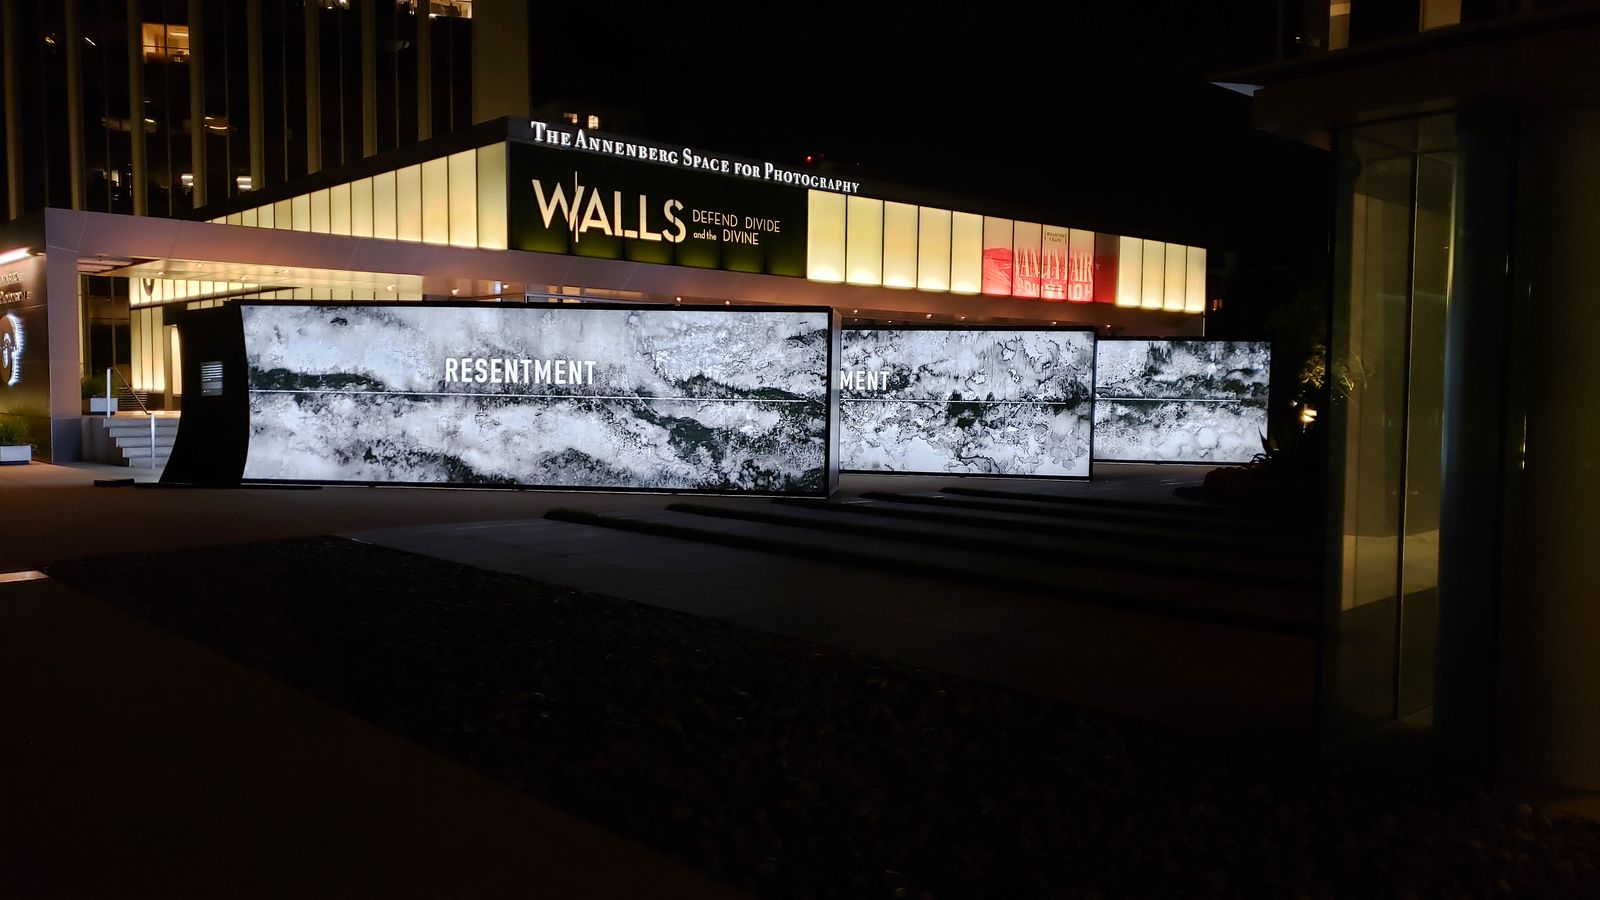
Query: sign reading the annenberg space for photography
x=1180 y=400
x=970 y=402
x=581 y=397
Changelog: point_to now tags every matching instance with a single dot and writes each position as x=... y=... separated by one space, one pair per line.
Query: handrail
x=111 y=371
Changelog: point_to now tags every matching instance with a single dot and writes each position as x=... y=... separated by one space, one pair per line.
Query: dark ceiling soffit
x=1413 y=45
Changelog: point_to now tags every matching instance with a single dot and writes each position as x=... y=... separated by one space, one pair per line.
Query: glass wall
x=1392 y=267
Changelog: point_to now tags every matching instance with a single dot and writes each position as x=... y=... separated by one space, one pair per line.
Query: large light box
x=637 y=398
x=1178 y=400
x=976 y=401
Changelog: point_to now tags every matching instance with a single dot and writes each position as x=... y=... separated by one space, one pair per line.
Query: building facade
x=1466 y=135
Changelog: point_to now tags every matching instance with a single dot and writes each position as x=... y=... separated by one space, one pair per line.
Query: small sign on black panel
x=211 y=379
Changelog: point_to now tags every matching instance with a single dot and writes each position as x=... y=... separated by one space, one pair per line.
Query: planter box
x=16 y=455
x=102 y=404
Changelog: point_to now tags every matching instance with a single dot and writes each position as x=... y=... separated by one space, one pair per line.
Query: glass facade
x=1393 y=269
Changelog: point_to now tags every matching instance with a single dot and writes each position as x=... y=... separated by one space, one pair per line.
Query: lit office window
x=933 y=249
x=594 y=122
x=863 y=240
x=435 y=201
x=1025 y=238
x=1130 y=269
x=1194 y=289
x=464 y=199
x=164 y=43
x=825 y=216
x=408 y=203
x=1153 y=278
x=319 y=212
x=492 y=197
x=339 y=209
x=966 y=253
x=571 y=117
x=1439 y=13
x=361 y=209
x=383 y=205
x=899 y=245
x=996 y=256
x=1172 y=293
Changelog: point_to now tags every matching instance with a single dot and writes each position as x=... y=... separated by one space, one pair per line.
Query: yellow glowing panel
x=966 y=253
x=864 y=240
x=282 y=219
x=361 y=221
x=408 y=203
x=339 y=209
x=1172 y=293
x=268 y=216
x=825 y=215
x=383 y=205
x=1194 y=288
x=1130 y=265
x=899 y=245
x=464 y=199
x=175 y=354
x=1154 y=275
x=249 y=218
x=436 y=201
x=319 y=212
x=300 y=210
x=933 y=249
x=492 y=197
x=234 y=219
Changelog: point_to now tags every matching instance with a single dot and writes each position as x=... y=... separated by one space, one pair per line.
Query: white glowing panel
x=1180 y=400
x=1154 y=277
x=1025 y=242
x=464 y=199
x=970 y=402
x=1130 y=266
x=436 y=201
x=569 y=396
x=1194 y=288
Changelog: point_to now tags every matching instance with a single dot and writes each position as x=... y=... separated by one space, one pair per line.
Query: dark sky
x=1098 y=112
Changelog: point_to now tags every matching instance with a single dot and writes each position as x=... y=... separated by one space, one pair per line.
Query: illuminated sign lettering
x=11 y=346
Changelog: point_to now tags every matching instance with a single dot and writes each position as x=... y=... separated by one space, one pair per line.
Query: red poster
x=997 y=260
x=1053 y=264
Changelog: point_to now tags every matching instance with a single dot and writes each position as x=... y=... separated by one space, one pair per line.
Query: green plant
x=15 y=433
x=94 y=386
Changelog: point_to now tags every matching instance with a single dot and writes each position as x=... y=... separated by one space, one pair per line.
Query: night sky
x=1098 y=112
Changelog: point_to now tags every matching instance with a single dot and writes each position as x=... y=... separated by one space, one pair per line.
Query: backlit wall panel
x=1025 y=240
x=1180 y=400
x=1080 y=274
x=969 y=402
x=825 y=215
x=899 y=245
x=997 y=256
x=1153 y=280
x=966 y=253
x=863 y=241
x=933 y=249
x=1194 y=288
x=582 y=397
x=1053 y=262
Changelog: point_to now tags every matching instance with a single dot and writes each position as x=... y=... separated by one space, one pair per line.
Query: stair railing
x=113 y=373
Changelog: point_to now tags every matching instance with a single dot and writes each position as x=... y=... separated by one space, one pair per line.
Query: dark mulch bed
x=796 y=770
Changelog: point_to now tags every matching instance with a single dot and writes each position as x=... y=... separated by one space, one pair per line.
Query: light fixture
x=855 y=310
x=11 y=256
x=928 y=316
x=388 y=287
x=963 y=318
x=455 y=291
x=199 y=265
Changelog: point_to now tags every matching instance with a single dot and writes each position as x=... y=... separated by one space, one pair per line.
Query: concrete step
x=143 y=440
x=1250 y=606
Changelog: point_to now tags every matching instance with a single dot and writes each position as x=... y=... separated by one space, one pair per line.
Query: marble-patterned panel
x=1180 y=400
x=972 y=401
x=662 y=399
